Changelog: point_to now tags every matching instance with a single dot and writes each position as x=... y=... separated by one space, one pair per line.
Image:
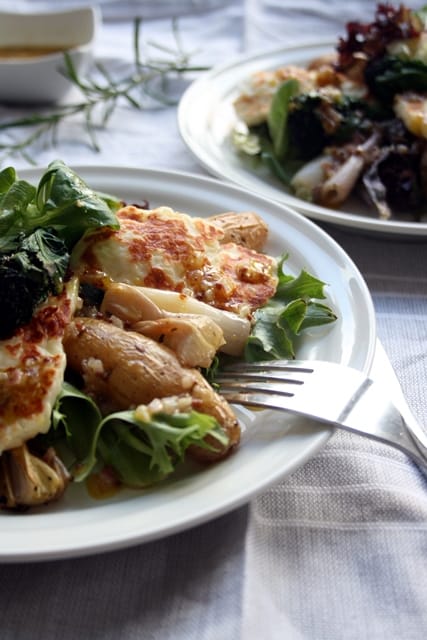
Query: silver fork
x=328 y=392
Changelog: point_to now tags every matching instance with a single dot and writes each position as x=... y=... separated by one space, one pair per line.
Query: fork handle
x=386 y=424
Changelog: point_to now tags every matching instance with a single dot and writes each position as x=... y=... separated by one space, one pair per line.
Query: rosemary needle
x=148 y=79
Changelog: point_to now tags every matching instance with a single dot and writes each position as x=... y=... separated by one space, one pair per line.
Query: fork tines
x=269 y=366
x=262 y=377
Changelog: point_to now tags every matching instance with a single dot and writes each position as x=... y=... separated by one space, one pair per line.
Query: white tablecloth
x=336 y=551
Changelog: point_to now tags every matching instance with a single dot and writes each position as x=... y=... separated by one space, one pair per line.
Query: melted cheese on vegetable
x=32 y=370
x=164 y=249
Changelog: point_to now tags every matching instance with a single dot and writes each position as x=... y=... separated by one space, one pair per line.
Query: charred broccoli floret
x=316 y=121
x=390 y=75
x=305 y=129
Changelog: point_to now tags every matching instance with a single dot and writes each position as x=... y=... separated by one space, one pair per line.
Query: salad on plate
x=115 y=318
x=352 y=122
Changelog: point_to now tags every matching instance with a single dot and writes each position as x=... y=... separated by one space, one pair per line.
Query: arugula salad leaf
x=75 y=420
x=141 y=452
x=294 y=308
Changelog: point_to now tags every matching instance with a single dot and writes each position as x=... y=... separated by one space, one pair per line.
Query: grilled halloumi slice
x=32 y=364
x=411 y=108
x=253 y=103
x=165 y=249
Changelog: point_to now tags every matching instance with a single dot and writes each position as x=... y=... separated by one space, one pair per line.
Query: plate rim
x=317 y=438
x=341 y=219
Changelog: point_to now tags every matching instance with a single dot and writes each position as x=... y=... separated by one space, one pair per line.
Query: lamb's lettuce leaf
x=270 y=143
x=278 y=116
x=61 y=201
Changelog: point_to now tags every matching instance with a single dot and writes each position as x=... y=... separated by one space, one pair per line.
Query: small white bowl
x=37 y=78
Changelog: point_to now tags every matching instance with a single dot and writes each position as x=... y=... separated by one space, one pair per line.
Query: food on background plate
x=115 y=319
x=350 y=123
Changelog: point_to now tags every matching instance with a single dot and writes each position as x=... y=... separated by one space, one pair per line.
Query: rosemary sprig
x=146 y=84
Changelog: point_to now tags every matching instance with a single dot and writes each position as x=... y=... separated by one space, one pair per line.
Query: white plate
x=79 y=525
x=206 y=119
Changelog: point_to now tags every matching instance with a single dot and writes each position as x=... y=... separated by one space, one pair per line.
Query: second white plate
x=206 y=119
